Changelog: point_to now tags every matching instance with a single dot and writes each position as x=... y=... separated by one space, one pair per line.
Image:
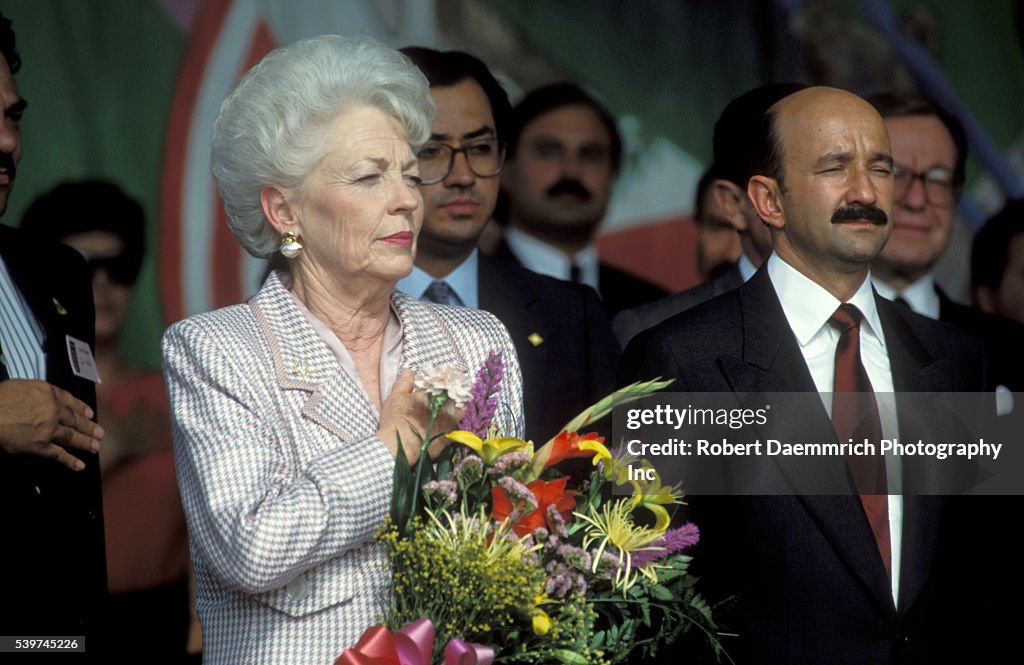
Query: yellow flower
x=598 y=447
x=491 y=449
x=541 y=622
x=652 y=495
x=613 y=525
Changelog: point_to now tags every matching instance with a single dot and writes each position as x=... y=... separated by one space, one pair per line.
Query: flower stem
x=436 y=402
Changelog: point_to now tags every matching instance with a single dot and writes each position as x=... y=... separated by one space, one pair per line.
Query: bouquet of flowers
x=495 y=545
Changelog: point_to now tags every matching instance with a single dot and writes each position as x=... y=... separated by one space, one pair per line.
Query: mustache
x=7 y=164
x=860 y=212
x=569 y=186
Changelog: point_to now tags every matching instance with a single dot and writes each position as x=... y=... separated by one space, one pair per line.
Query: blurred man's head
x=929 y=148
x=718 y=242
x=13 y=106
x=997 y=263
x=460 y=163
x=564 y=152
x=735 y=140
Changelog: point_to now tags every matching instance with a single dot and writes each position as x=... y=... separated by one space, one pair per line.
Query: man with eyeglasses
x=929 y=149
x=565 y=344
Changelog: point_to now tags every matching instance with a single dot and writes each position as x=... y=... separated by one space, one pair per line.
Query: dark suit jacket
x=628 y=323
x=574 y=365
x=619 y=290
x=1003 y=339
x=811 y=586
x=52 y=558
x=998 y=559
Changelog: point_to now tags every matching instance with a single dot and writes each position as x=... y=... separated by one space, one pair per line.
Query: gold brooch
x=301 y=369
x=59 y=307
x=535 y=339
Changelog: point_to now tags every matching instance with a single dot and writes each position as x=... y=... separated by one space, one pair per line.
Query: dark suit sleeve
x=626 y=325
x=603 y=349
x=649 y=355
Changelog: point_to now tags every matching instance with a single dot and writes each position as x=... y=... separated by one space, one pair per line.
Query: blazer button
x=298 y=588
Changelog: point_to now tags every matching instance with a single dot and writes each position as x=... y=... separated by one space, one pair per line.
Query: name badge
x=82 y=363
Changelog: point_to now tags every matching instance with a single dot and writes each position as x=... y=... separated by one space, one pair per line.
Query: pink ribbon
x=457 y=652
x=411 y=645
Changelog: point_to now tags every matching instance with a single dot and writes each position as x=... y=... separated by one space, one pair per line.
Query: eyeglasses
x=937 y=183
x=485 y=159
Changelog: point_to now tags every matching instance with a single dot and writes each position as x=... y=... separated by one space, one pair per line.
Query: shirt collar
x=921 y=295
x=541 y=257
x=462 y=281
x=747 y=267
x=808 y=306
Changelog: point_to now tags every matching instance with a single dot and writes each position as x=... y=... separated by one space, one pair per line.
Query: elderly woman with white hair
x=289 y=409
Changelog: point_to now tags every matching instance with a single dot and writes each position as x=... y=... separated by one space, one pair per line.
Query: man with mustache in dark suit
x=861 y=577
x=563 y=155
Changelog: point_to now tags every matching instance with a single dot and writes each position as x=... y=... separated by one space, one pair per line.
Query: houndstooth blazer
x=282 y=477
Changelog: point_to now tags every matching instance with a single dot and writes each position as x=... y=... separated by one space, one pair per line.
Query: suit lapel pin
x=535 y=339
x=301 y=369
x=59 y=307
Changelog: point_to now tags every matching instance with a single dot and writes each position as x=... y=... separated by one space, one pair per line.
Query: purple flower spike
x=674 y=540
x=484 y=396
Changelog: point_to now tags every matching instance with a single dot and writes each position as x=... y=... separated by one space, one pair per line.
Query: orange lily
x=568 y=445
x=547 y=494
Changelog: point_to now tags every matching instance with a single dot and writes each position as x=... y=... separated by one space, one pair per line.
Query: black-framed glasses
x=937 y=182
x=485 y=157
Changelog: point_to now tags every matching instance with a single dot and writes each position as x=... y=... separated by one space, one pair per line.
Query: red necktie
x=855 y=416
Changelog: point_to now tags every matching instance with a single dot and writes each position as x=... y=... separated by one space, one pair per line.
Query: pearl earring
x=290 y=246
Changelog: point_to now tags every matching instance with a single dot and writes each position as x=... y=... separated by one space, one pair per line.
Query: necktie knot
x=438 y=292
x=846 y=317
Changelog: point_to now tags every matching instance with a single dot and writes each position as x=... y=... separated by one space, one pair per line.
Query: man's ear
x=279 y=208
x=764 y=193
x=730 y=199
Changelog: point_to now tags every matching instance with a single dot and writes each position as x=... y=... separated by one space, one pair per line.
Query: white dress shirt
x=808 y=307
x=921 y=295
x=541 y=257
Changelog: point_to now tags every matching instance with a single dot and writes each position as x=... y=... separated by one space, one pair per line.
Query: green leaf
x=661 y=593
x=401 y=494
x=569 y=657
x=444 y=464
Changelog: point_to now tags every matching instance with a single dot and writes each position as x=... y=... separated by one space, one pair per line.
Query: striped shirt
x=21 y=336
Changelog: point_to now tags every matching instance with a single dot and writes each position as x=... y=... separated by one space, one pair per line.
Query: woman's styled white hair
x=267 y=128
